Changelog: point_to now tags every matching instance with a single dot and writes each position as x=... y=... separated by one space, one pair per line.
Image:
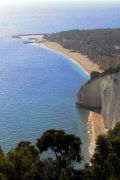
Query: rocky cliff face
x=102 y=95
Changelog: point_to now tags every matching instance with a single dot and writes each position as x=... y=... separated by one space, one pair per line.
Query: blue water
x=37 y=86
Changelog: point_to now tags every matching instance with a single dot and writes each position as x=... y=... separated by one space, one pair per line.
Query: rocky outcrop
x=89 y=96
x=102 y=95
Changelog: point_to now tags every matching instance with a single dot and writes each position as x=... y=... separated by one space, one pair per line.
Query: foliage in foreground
x=105 y=164
x=24 y=162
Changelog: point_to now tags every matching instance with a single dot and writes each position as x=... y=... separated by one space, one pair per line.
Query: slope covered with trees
x=105 y=164
x=102 y=46
x=25 y=162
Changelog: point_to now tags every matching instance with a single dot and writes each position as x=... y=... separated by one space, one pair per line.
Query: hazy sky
x=82 y=2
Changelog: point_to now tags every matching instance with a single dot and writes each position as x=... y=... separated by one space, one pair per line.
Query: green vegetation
x=25 y=163
x=109 y=71
x=102 y=46
x=94 y=74
x=66 y=147
x=105 y=164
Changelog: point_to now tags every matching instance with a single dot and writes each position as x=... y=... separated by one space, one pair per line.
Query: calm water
x=38 y=87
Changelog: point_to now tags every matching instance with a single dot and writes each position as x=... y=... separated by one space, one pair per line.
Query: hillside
x=102 y=46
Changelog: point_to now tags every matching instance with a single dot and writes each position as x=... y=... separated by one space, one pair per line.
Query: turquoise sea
x=37 y=86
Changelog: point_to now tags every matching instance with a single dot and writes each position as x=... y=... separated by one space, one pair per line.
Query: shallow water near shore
x=38 y=92
x=38 y=87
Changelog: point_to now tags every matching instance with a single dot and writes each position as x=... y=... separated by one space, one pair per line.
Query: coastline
x=95 y=128
x=81 y=60
x=95 y=123
x=68 y=57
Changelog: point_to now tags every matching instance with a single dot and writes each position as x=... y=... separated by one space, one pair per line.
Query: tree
x=103 y=146
x=25 y=159
x=115 y=142
x=66 y=147
x=115 y=161
x=23 y=162
x=94 y=74
x=2 y=177
x=50 y=170
x=105 y=163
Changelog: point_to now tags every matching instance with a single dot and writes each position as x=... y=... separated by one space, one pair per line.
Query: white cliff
x=102 y=95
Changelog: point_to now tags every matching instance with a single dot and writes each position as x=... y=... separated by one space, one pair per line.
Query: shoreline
x=95 y=123
x=71 y=59
x=81 y=60
x=95 y=128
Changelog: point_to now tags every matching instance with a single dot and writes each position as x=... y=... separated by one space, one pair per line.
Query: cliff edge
x=102 y=95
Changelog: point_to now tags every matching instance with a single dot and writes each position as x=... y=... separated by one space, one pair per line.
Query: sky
x=68 y=2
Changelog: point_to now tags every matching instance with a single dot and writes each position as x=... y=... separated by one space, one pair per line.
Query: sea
x=38 y=87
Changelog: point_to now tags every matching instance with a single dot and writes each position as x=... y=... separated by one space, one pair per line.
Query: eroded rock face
x=110 y=95
x=103 y=95
x=89 y=96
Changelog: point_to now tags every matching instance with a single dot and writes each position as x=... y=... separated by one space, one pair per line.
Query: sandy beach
x=82 y=60
x=95 y=121
x=95 y=128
